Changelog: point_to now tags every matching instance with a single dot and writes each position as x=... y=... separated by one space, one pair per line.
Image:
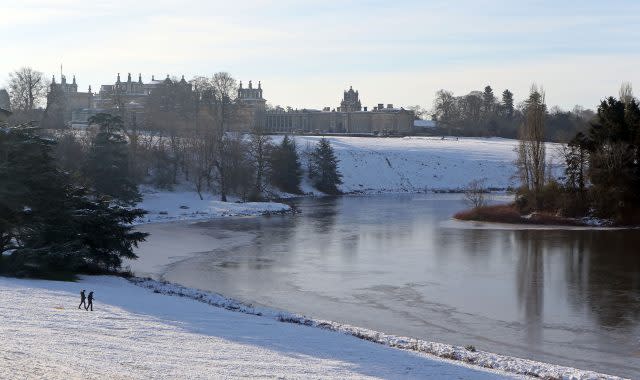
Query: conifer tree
x=323 y=168
x=488 y=102
x=614 y=162
x=286 y=171
x=108 y=164
x=507 y=103
x=48 y=224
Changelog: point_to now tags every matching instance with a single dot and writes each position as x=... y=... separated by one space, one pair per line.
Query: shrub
x=498 y=214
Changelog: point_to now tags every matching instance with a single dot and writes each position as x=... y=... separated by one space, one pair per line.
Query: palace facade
x=130 y=98
x=349 y=117
x=74 y=100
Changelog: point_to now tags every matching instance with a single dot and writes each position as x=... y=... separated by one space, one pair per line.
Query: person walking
x=82 y=298
x=90 y=302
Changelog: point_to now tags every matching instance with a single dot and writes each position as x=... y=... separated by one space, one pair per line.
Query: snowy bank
x=417 y=164
x=517 y=366
x=137 y=333
x=369 y=165
x=165 y=206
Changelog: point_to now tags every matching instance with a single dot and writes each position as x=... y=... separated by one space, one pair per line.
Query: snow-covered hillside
x=369 y=165
x=416 y=164
x=134 y=333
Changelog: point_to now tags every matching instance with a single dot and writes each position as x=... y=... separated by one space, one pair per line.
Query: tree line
x=602 y=164
x=183 y=136
x=485 y=114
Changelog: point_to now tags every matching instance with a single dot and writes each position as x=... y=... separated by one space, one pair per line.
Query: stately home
x=74 y=100
x=130 y=99
x=349 y=117
x=127 y=98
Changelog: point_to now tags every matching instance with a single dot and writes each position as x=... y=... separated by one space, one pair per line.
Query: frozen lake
x=399 y=265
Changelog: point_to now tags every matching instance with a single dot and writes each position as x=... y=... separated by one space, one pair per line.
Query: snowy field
x=417 y=164
x=184 y=204
x=135 y=333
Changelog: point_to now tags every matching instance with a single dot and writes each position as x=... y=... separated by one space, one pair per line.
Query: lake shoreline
x=139 y=332
x=467 y=355
x=509 y=215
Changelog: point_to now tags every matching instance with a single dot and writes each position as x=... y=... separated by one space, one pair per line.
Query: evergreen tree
x=576 y=165
x=323 y=168
x=108 y=164
x=49 y=224
x=614 y=171
x=507 y=103
x=488 y=102
x=105 y=232
x=31 y=189
x=286 y=172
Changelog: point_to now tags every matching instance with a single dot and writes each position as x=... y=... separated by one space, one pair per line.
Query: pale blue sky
x=306 y=52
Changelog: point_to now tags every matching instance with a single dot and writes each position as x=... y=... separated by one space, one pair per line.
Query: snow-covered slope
x=135 y=333
x=369 y=165
x=416 y=164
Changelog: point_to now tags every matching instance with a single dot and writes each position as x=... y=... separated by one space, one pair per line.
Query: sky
x=306 y=52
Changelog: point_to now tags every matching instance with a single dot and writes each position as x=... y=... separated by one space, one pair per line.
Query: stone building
x=133 y=100
x=5 y=105
x=250 y=109
x=129 y=98
x=350 y=101
x=349 y=117
x=73 y=100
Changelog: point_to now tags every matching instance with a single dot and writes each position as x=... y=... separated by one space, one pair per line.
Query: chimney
x=365 y=108
x=389 y=106
x=380 y=106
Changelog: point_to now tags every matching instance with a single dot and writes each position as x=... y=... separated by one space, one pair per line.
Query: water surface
x=399 y=265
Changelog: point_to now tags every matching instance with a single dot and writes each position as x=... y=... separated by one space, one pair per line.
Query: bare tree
x=259 y=149
x=471 y=107
x=215 y=109
x=201 y=158
x=27 y=88
x=239 y=169
x=418 y=111
x=224 y=88
x=445 y=109
x=531 y=161
x=475 y=193
x=626 y=92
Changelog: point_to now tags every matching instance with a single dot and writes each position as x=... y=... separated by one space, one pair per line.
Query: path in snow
x=135 y=333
